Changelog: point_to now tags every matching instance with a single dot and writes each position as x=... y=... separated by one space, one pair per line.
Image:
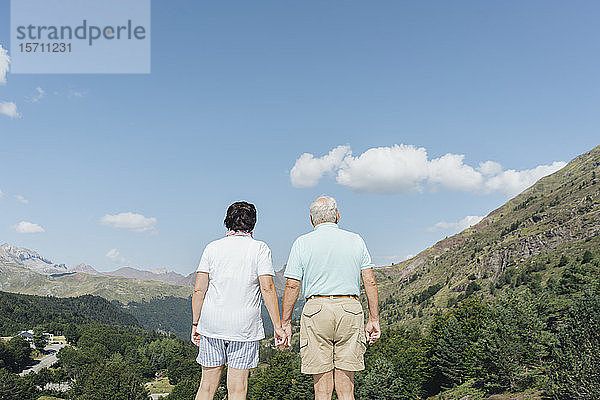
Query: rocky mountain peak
x=26 y=258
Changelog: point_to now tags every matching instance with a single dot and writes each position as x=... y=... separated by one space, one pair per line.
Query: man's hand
x=373 y=331
x=290 y=295
x=287 y=330
x=195 y=336
x=280 y=337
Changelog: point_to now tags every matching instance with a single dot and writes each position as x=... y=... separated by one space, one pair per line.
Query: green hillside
x=21 y=280
x=22 y=312
x=168 y=314
x=519 y=244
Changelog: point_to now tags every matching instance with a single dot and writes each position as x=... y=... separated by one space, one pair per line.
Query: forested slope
x=21 y=312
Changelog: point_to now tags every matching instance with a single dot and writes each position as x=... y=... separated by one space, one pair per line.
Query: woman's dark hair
x=241 y=216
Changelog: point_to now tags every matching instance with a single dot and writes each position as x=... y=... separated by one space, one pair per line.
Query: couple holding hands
x=326 y=263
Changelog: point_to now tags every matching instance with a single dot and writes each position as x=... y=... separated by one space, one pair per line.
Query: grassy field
x=160 y=385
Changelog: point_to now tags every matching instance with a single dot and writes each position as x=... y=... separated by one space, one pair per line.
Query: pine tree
x=576 y=356
x=40 y=340
x=14 y=387
x=281 y=379
x=397 y=360
x=452 y=339
x=184 y=390
x=512 y=344
x=587 y=257
x=382 y=383
x=109 y=381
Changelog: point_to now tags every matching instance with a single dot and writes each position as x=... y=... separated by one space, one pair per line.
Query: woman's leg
x=237 y=383
x=211 y=376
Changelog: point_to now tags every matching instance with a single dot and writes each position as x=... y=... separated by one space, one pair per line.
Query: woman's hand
x=195 y=336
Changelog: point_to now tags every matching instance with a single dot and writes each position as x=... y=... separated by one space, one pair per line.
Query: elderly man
x=329 y=262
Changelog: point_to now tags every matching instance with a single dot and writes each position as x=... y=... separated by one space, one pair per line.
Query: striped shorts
x=216 y=352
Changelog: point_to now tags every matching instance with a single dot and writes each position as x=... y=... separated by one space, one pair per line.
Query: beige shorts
x=332 y=335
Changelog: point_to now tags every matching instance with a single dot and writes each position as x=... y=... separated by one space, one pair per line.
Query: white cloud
x=40 y=94
x=115 y=256
x=488 y=168
x=9 y=109
x=4 y=63
x=514 y=182
x=28 y=227
x=308 y=170
x=131 y=221
x=22 y=199
x=405 y=168
x=1 y=194
x=458 y=226
x=384 y=169
x=451 y=172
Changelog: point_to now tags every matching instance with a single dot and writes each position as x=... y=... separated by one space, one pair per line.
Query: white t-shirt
x=231 y=308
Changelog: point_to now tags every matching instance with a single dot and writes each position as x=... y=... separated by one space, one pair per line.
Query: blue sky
x=240 y=90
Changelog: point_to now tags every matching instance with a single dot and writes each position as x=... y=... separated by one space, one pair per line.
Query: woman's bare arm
x=200 y=289
x=269 y=294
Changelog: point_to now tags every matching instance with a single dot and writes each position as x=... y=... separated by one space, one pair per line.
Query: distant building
x=27 y=335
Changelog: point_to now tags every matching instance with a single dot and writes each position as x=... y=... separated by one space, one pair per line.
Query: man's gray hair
x=323 y=209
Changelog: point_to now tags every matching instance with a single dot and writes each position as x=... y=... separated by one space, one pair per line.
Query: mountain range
x=29 y=259
x=25 y=271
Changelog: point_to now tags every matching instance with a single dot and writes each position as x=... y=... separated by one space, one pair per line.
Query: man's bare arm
x=373 y=330
x=200 y=289
x=290 y=295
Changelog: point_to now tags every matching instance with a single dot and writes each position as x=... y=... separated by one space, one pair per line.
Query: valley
x=493 y=312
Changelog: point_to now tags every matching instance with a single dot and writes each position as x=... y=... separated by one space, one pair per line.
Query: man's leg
x=344 y=384
x=323 y=385
x=209 y=383
x=237 y=383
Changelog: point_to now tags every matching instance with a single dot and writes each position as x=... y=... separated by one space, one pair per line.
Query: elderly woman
x=227 y=326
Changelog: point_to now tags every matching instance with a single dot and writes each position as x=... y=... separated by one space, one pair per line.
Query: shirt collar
x=326 y=224
x=238 y=233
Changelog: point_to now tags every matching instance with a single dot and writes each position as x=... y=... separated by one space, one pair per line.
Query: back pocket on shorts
x=353 y=308
x=311 y=309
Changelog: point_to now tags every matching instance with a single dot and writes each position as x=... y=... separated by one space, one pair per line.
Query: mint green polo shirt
x=328 y=261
